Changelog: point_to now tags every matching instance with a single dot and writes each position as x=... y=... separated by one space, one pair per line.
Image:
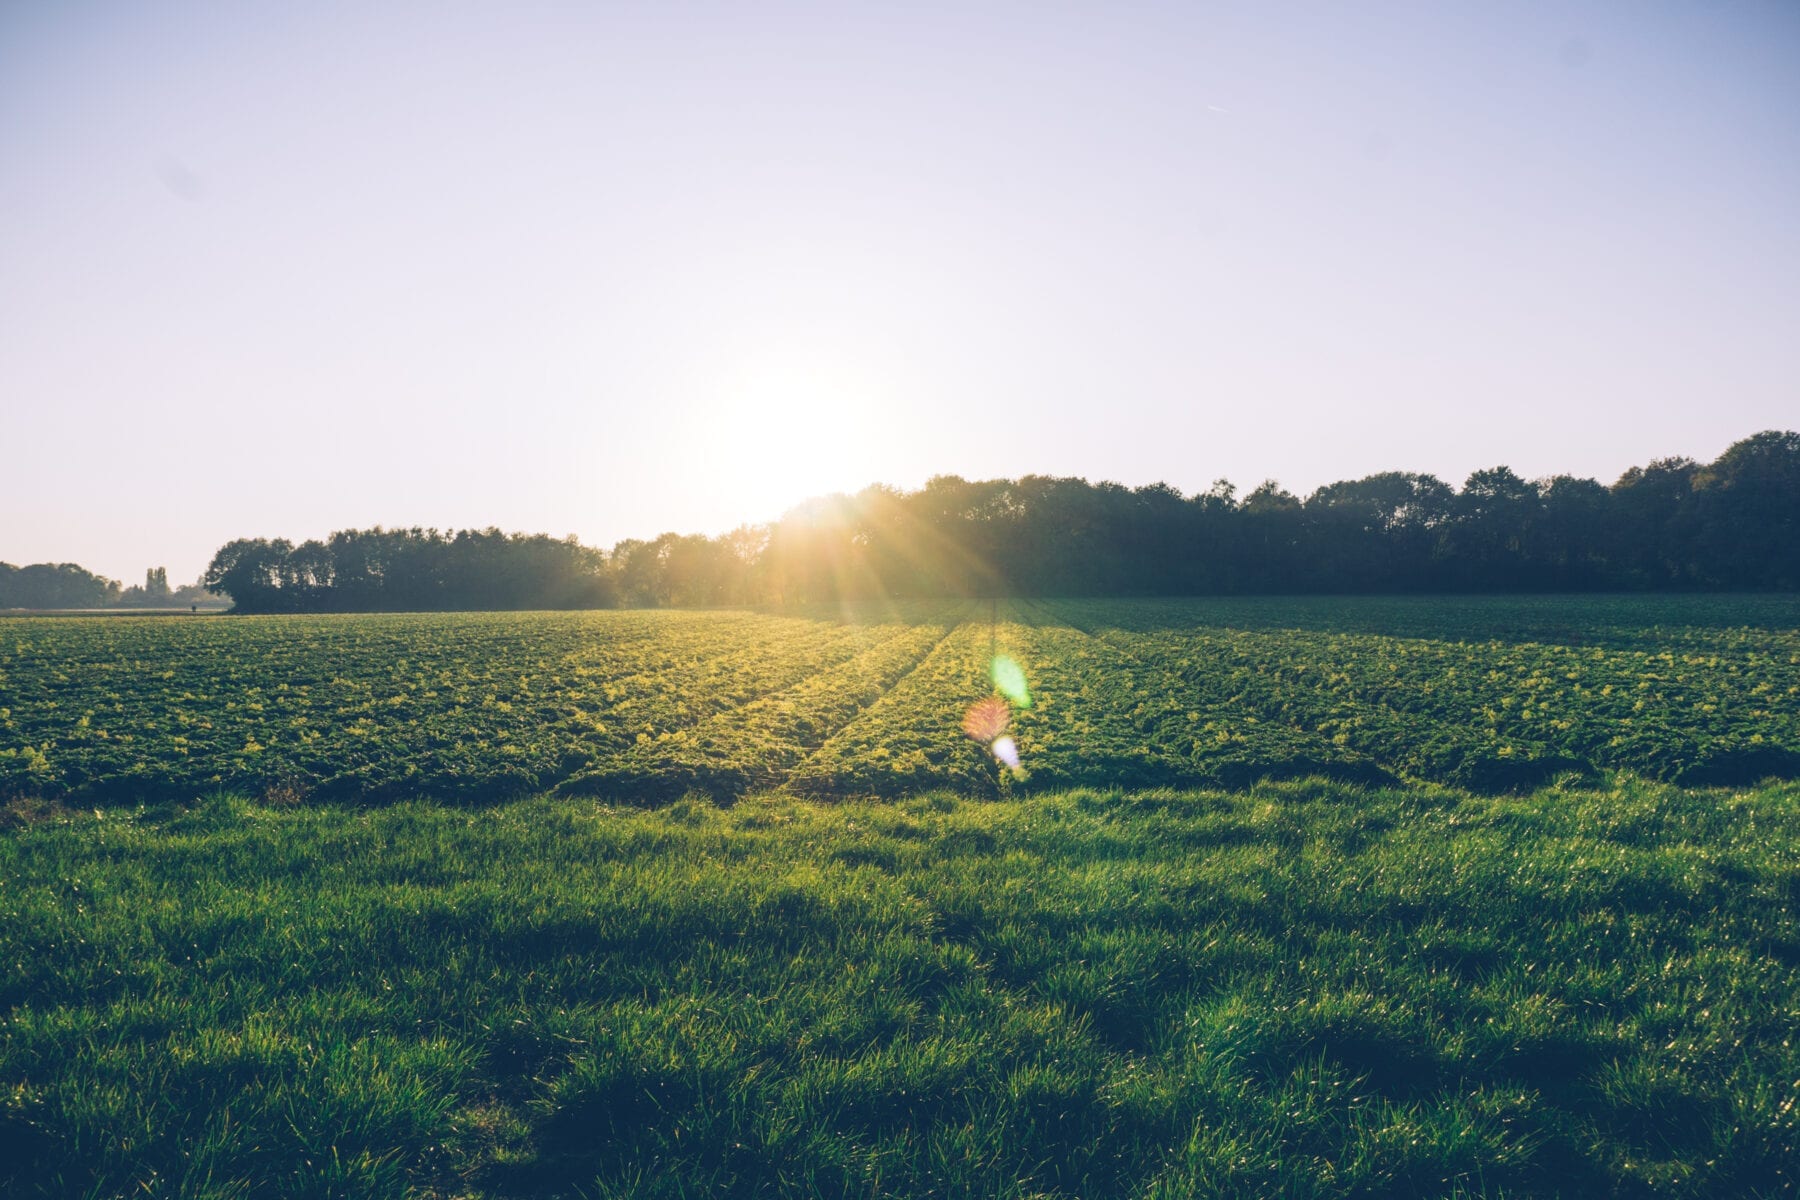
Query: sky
x=615 y=269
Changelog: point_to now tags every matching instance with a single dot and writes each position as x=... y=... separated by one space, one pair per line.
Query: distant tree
x=306 y=576
x=1746 y=520
x=886 y=551
x=1568 y=541
x=697 y=571
x=1217 y=559
x=1492 y=520
x=1672 y=523
x=1058 y=542
x=193 y=594
x=155 y=590
x=1380 y=531
x=1156 y=541
x=1272 y=520
x=388 y=570
x=1652 y=525
x=747 y=549
x=249 y=570
x=969 y=524
x=642 y=570
x=54 y=585
x=813 y=552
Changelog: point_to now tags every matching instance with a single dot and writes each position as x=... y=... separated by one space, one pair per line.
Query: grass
x=1300 y=989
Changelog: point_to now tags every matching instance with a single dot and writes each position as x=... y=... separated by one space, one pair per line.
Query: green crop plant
x=1702 y=690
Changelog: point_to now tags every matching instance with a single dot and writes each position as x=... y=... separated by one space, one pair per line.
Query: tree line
x=66 y=585
x=412 y=570
x=1675 y=524
x=54 y=585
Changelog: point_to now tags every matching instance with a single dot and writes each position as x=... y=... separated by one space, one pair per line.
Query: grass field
x=1297 y=898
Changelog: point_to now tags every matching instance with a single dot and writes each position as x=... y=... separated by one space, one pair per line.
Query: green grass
x=1299 y=989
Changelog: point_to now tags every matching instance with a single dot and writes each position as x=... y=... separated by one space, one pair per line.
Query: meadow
x=1290 y=898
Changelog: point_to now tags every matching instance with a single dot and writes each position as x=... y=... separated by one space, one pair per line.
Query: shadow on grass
x=1741 y=766
x=27 y=1152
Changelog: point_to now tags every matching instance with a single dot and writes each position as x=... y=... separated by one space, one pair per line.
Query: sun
x=783 y=427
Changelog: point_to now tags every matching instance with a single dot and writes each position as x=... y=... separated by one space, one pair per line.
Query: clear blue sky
x=615 y=269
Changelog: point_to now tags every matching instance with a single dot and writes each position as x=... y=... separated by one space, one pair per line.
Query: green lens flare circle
x=1009 y=681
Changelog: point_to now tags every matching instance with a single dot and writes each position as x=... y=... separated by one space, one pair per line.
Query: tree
x=642 y=572
x=1672 y=523
x=1568 y=540
x=306 y=575
x=1746 y=518
x=1272 y=520
x=249 y=571
x=54 y=585
x=1652 y=510
x=1379 y=532
x=1492 y=517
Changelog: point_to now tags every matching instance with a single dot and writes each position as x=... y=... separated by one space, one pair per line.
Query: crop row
x=1118 y=713
x=760 y=744
x=910 y=738
x=1098 y=714
x=1656 y=624
x=649 y=704
x=368 y=706
x=1501 y=714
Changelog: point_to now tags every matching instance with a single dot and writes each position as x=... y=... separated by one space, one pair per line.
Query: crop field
x=1492 y=695
x=1312 y=898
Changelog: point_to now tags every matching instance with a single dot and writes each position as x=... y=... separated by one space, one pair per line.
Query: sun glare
x=787 y=427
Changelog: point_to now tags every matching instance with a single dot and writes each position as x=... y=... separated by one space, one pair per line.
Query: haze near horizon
x=617 y=270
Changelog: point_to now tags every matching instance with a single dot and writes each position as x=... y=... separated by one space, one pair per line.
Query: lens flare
x=986 y=722
x=1009 y=680
x=987 y=719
